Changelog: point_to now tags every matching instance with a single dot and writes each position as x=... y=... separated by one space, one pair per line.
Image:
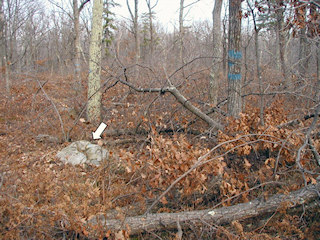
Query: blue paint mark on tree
x=235 y=55
x=234 y=76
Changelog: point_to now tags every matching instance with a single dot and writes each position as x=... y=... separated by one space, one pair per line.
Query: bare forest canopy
x=210 y=129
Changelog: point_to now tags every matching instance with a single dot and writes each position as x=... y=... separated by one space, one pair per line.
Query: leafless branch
x=55 y=108
x=83 y=4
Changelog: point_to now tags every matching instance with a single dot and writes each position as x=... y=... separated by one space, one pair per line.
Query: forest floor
x=42 y=198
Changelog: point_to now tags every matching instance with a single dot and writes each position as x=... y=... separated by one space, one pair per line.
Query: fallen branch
x=222 y=215
x=297 y=121
x=181 y=99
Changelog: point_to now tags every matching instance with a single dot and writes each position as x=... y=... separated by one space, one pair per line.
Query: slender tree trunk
x=224 y=49
x=151 y=31
x=136 y=33
x=215 y=74
x=77 y=56
x=281 y=43
x=257 y=52
x=3 y=48
x=136 y=36
x=234 y=59
x=318 y=71
x=2 y=35
x=303 y=61
x=258 y=69
x=94 y=83
x=181 y=31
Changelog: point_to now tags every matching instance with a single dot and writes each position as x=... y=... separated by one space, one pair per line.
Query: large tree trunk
x=94 y=83
x=222 y=215
x=215 y=74
x=234 y=59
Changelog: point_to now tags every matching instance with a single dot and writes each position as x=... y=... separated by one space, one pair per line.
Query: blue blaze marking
x=234 y=54
x=234 y=76
x=230 y=64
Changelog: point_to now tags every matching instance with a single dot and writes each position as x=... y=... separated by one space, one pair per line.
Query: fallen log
x=150 y=222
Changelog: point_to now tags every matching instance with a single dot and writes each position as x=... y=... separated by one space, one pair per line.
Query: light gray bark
x=151 y=30
x=77 y=56
x=136 y=32
x=181 y=31
x=215 y=74
x=94 y=82
x=281 y=43
x=223 y=215
x=258 y=69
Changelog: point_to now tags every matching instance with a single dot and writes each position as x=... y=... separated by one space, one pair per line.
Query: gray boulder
x=83 y=152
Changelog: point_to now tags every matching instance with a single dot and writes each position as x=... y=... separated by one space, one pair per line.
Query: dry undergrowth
x=41 y=198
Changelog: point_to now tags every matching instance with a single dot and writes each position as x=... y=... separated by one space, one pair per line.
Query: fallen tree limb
x=222 y=215
x=297 y=121
x=181 y=99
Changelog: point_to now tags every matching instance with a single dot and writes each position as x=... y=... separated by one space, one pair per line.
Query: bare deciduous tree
x=94 y=82
x=234 y=59
x=215 y=74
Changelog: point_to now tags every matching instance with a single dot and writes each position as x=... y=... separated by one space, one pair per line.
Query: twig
x=314 y=150
x=55 y=108
x=312 y=126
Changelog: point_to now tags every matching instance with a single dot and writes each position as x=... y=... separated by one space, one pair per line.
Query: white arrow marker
x=98 y=132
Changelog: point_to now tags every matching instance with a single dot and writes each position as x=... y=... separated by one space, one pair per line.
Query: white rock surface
x=81 y=152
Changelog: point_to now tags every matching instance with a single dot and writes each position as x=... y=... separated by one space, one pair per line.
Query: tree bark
x=215 y=74
x=151 y=31
x=181 y=31
x=94 y=82
x=257 y=53
x=221 y=215
x=2 y=35
x=234 y=59
x=3 y=48
x=77 y=56
x=304 y=49
x=281 y=42
x=136 y=32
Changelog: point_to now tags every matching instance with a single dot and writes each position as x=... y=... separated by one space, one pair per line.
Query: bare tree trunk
x=234 y=59
x=257 y=53
x=215 y=74
x=94 y=82
x=151 y=31
x=77 y=56
x=3 y=48
x=303 y=56
x=181 y=31
x=256 y=38
x=318 y=71
x=136 y=30
x=225 y=48
x=304 y=49
x=7 y=71
x=2 y=34
x=136 y=34
x=281 y=42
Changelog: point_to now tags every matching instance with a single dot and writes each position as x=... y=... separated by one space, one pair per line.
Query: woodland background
x=212 y=116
